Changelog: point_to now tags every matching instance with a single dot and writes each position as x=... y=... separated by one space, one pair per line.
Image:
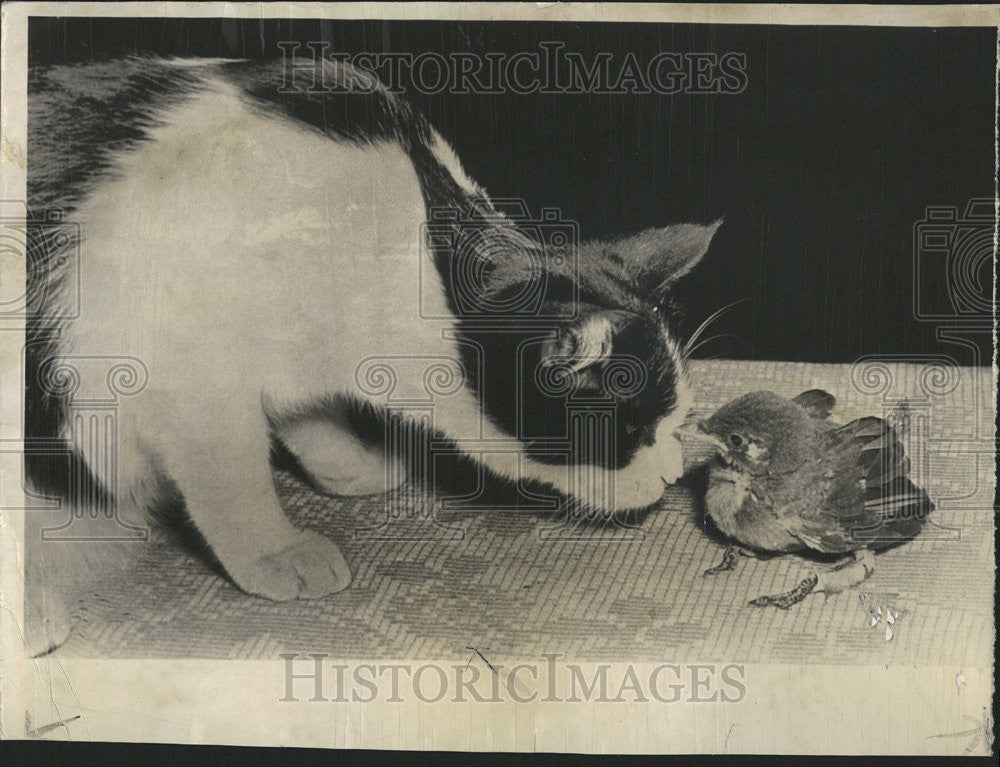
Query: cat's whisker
x=709 y=340
x=686 y=351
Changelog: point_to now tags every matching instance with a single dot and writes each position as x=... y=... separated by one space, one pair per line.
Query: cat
x=260 y=264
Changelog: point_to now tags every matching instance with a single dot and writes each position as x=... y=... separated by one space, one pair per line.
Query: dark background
x=822 y=166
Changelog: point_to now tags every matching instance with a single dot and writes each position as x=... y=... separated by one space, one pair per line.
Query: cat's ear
x=581 y=347
x=662 y=256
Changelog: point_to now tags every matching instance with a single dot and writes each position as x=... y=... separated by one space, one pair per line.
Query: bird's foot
x=728 y=562
x=731 y=556
x=789 y=598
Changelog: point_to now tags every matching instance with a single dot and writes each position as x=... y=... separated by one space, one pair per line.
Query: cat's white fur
x=226 y=253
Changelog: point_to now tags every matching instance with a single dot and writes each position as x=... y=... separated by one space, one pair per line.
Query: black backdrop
x=822 y=166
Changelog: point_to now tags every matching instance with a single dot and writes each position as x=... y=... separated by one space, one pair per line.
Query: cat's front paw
x=311 y=567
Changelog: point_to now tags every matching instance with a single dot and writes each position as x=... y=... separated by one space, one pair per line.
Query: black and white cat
x=250 y=251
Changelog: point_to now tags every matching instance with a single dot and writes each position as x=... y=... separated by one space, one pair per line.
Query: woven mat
x=521 y=585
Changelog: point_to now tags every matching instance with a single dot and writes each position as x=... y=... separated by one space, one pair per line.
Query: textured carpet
x=521 y=584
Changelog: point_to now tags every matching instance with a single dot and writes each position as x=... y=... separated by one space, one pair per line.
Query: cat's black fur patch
x=86 y=114
x=350 y=105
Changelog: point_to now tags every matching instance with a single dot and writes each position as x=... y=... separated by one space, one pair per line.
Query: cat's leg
x=224 y=475
x=338 y=462
x=71 y=547
x=67 y=553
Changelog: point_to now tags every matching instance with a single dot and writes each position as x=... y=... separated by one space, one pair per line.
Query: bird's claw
x=789 y=598
x=728 y=562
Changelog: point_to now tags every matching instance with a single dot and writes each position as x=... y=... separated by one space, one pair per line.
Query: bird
x=787 y=479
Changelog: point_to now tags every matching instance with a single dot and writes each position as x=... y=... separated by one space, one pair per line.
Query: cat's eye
x=736 y=440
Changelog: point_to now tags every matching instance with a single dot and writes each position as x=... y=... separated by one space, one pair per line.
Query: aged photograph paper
x=597 y=378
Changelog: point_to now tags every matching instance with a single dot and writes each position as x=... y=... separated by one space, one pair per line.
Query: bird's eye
x=736 y=440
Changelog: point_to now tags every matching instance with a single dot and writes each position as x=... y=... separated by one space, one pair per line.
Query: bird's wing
x=816 y=402
x=865 y=497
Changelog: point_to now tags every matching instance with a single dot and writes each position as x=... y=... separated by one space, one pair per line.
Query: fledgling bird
x=787 y=479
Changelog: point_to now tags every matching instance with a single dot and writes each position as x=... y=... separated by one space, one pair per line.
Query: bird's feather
x=865 y=497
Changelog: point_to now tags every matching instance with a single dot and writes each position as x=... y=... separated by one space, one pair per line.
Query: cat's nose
x=692 y=430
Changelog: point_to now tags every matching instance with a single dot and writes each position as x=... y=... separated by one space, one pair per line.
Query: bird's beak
x=693 y=430
x=696 y=431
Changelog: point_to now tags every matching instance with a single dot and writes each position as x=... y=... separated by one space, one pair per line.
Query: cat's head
x=591 y=380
